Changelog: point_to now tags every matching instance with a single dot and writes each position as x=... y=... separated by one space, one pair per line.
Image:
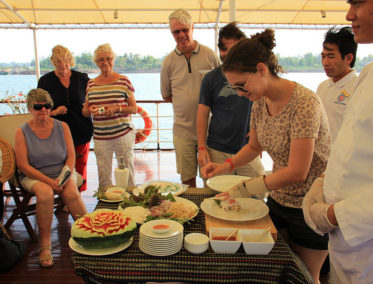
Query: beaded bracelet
x=201 y=148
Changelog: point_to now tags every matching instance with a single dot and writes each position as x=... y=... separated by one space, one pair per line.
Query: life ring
x=142 y=134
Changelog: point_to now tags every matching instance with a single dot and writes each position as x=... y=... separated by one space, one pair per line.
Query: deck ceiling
x=36 y=13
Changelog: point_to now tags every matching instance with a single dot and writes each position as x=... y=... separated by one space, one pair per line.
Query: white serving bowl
x=218 y=243
x=254 y=246
x=196 y=243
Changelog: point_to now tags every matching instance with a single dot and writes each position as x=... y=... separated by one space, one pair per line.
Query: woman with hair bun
x=289 y=122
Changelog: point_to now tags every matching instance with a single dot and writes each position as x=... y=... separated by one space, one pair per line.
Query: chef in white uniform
x=341 y=203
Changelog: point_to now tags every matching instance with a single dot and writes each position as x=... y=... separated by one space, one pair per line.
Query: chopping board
x=262 y=223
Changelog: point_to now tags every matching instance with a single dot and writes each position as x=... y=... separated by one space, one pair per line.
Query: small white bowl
x=218 y=242
x=196 y=243
x=254 y=246
x=161 y=227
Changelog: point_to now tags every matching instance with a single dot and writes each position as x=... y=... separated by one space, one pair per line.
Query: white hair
x=182 y=16
x=103 y=48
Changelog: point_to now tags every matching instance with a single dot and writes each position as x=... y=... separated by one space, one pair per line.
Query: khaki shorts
x=186 y=157
x=27 y=182
x=251 y=169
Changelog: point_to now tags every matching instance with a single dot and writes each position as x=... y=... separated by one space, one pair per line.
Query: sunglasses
x=40 y=106
x=177 y=32
x=241 y=88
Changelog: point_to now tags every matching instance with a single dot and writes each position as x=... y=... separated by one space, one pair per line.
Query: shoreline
x=95 y=71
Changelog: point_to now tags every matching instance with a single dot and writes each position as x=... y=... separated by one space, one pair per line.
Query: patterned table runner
x=132 y=265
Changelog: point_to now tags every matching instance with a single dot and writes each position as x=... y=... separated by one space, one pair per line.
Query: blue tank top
x=46 y=155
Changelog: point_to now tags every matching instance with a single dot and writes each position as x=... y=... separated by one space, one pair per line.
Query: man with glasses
x=230 y=121
x=181 y=77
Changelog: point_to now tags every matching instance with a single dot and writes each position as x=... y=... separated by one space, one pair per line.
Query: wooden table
x=133 y=266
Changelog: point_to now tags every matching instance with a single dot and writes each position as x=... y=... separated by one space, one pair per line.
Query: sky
x=17 y=45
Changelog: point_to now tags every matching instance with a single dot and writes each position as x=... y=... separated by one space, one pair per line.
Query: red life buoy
x=142 y=134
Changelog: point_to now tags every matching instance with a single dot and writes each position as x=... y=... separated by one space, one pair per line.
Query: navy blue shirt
x=230 y=121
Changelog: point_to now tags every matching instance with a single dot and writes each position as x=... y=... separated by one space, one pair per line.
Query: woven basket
x=9 y=161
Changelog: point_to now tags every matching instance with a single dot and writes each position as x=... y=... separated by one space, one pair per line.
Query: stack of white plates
x=161 y=242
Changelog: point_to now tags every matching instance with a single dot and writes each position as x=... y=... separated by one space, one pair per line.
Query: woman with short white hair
x=110 y=100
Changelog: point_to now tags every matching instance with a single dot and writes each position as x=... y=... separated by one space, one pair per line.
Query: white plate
x=186 y=202
x=105 y=251
x=166 y=187
x=111 y=201
x=224 y=182
x=253 y=209
x=176 y=229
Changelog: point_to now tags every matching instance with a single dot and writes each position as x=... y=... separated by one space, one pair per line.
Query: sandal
x=45 y=257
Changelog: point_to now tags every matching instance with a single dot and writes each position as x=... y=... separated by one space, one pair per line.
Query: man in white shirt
x=338 y=58
x=341 y=203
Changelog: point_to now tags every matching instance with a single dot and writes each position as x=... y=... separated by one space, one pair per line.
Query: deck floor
x=149 y=165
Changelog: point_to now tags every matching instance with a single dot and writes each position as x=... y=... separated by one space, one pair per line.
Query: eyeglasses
x=177 y=32
x=40 y=106
x=241 y=88
x=103 y=59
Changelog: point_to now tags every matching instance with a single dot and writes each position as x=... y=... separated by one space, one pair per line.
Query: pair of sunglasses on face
x=177 y=32
x=40 y=106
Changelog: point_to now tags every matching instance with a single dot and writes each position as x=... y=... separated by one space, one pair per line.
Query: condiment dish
x=196 y=243
x=220 y=243
x=256 y=241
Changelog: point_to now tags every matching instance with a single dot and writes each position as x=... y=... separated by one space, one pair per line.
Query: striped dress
x=108 y=127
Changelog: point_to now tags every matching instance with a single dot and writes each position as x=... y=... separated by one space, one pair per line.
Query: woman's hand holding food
x=245 y=188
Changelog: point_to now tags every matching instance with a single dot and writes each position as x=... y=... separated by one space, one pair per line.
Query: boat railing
x=161 y=114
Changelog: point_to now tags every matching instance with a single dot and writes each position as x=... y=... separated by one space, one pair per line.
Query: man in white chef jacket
x=338 y=58
x=346 y=213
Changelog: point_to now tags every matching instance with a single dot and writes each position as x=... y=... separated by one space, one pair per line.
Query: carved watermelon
x=103 y=228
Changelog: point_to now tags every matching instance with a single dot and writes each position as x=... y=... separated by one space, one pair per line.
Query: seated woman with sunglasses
x=43 y=146
x=289 y=122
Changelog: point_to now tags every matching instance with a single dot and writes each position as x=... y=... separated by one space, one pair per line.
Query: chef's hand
x=246 y=188
x=319 y=216
x=315 y=194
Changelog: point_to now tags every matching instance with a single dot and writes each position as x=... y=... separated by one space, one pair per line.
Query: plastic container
x=121 y=174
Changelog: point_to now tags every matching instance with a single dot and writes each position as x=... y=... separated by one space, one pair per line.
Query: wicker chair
x=25 y=204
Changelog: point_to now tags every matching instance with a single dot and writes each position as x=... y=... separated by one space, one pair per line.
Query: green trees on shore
x=125 y=63
x=137 y=63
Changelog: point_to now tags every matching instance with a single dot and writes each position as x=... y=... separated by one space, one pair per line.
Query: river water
x=147 y=87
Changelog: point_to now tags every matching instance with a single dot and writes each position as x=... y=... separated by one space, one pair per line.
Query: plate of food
x=112 y=194
x=102 y=232
x=152 y=205
x=225 y=182
x=237 y=209
x=164 y=187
